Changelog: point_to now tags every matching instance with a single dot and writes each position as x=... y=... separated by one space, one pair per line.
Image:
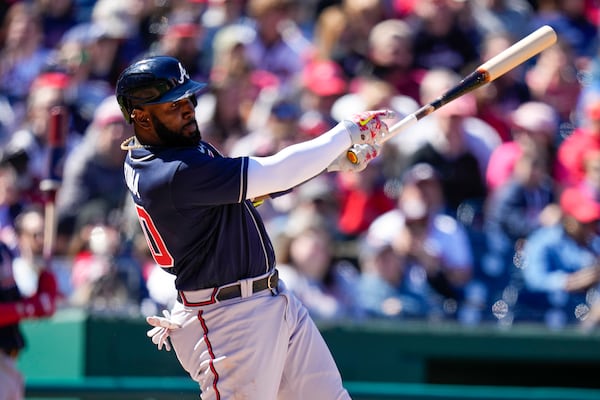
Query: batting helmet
x=153 y=80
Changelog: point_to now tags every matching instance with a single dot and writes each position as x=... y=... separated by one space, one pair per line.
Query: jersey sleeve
x=207 y=179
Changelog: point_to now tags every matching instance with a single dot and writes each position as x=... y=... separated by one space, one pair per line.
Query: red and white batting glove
x=162 y=329
x=364 y=153
x=367 y=127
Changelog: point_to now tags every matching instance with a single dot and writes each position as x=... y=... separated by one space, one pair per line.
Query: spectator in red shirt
x=571 y=151
x=361 y=198
x=534 y=125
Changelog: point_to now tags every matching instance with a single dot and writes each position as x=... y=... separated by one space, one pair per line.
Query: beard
x=173 y=138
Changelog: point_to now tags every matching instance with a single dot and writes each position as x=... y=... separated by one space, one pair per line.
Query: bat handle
x=356 y=155
x=401 y=125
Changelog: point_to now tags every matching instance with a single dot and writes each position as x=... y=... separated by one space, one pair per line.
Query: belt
x=242 y=288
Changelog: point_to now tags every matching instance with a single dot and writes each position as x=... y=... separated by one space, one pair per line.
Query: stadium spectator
x=94 y=172
x=436 y=247
x=278 y=47
x=390 y=57
x=10 y=205
x=342 y=32
x=561 y=264
x=278 y=131
x=524 y=203
x=361 y=198
x=324 y=284
x=502 y=17
x=77 y=54
x=183 y=39
x=591 y=179
x=315 y=199
x=223 y=112
x=27 y=149
x=534 y=125
x=57 y=17
x=553 y=79
x=105 y=277
x=221 y=14
x=29 y=255
x=583 y=138
x=380 y=289
x=440 y=40
x=23 y=55
x=121 y=41
x=572 y=23
x=322 y=83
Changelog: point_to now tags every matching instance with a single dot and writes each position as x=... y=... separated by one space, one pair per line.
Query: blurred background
x=462 y=263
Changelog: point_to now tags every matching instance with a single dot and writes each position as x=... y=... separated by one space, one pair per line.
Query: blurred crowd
x=486 y=211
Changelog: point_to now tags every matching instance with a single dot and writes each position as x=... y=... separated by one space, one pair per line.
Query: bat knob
x=352 y=156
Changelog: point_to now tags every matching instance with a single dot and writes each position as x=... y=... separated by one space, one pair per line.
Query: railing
x=135 y=388
x=102 y=358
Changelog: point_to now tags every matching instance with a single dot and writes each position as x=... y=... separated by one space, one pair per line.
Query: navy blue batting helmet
x=153 y=80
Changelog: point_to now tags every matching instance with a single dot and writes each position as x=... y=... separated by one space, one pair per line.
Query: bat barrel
x=519 y=52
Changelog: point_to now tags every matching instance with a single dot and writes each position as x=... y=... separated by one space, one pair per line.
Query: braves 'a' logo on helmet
x=182 y=74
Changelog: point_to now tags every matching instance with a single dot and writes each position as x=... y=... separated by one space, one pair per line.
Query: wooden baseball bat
x=57 y=131
x=515 y=55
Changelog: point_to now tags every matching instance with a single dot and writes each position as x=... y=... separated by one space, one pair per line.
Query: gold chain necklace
x=131 y=143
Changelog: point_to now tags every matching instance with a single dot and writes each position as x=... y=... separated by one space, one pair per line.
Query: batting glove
x=364 y=153
x=367 y=127
x=162 y=329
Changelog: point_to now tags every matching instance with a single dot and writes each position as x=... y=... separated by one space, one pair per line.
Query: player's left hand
x=365 y=153
x=162 y=329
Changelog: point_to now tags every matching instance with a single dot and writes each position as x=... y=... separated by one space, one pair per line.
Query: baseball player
x=235 y=328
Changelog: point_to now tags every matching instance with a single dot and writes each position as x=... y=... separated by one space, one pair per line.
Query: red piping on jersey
x=211 y=354
x=212 y=300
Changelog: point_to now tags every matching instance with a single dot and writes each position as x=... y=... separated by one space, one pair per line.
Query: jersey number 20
x=155 y=242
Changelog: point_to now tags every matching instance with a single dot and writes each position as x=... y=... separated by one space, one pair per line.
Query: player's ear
x=141 y=118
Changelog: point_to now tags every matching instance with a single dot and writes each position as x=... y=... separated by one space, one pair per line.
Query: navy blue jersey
x=192 y=208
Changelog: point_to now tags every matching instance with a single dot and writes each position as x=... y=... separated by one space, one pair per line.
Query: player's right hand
x=162 y=327
x=364 y=154
x=367 y=127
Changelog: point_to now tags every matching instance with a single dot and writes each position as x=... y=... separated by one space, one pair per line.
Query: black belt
x=233 y=291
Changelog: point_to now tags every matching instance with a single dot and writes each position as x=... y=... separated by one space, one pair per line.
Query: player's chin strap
x=162 y=329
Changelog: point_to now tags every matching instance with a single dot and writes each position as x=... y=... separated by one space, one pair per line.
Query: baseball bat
x=57 y=131
x=515 y=55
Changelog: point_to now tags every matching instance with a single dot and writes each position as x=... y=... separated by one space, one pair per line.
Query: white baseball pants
x=263 y=347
